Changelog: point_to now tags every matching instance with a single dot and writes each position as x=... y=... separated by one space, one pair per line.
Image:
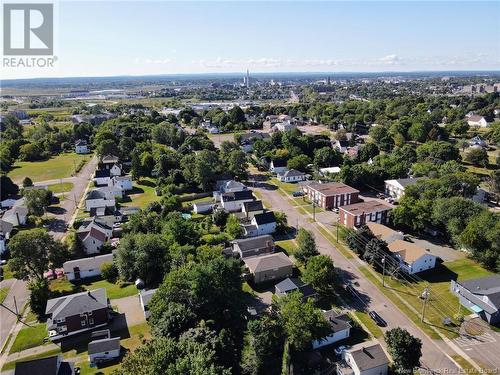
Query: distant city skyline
x=151 y=38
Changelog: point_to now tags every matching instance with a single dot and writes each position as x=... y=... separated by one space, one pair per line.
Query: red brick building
x=355 y=215
x=331 y=195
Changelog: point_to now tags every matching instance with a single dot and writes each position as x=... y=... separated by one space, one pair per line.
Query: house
x=234 y=201
x=93 y=234
x=247 y=140
x=480 y=295
x=5 y=229
x=103 y=350
x=227 y=186
x=102 y=177
x=100 y=198
x=476 y=120
x=145 y=296
x=384 y=233
x=252 y=208
x=8 y=203
x=357 y=214
x=290 y=285
x=329 y=170
x=396 y=188
x=331 y=194
x=124 y=183
x=366 y=358
x=284 y=126
x=213 y=130
x=108 y=161
x=264 y=223
x=85 y=267
x=340 y=145
x=250 y=247
x=17 y=215
x=127 y=211
x=477 y=142
x=76 y=313
x=412 y=258
x=269 y=267
x=291 y=175
x=45 y=366
x=81 y=146
x=203 y=207
x=340 y=329
x=278 y=166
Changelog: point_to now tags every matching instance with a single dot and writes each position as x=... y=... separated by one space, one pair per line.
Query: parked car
x=336 y=210
x=378 y=319
x=380 y=195
x=297 y=194
x=341 y=349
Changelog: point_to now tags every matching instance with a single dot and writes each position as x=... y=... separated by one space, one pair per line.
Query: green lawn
x=115 y=291
x=61 y=188
x=289 y=246
x=59 y=166
x=3 y=293
x=29 y=337
x=368 y=322
x=143 y=193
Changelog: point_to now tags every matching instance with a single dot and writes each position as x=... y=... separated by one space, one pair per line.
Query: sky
x=108 y=38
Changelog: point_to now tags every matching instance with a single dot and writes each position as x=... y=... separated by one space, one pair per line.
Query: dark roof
x=368 y=356
x=253 y=206
x=43 y=366
x=338 y=322
x=101 y=173
x=279 y=163
x=485 y=286
x=251 y=137
x=293 y=173
x=290 y=284
x=95 y=194
x=237 y=195
x=104 y=345
x=81 y=142
x=268 y=262
x=254 y=242
x=77 y=303
x=265 y=218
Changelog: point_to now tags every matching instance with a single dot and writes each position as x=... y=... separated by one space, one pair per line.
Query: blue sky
x=122 y=37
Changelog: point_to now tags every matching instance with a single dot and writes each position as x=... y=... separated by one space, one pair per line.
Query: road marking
x=486 y=338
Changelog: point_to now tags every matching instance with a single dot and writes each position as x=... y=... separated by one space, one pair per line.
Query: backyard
x=59 y=166
x=143 y=193
x=115 y=291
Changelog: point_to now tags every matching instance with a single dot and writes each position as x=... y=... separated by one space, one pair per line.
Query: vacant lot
x=118 y=290
x=59 y=166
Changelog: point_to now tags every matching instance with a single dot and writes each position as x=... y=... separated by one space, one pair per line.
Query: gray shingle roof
x=485 y=286
x=75 y=304
x=85 y=264
x=253 y=206
x=43 y=366
x=104 y=345
x=252 y=243
x=268 y=262
x=368 y=356
x=338 y=322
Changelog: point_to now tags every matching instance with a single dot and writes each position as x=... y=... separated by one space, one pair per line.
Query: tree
x=437 y=152
x=281 y=222
x=236 y=115
x=477 y=157
x=458 y=128
x=306 y=246
x=109 y=271
x=233 y=227
x=405 y=350
x=107 y=147
x=327 y=157
x=37 y=200
x=368 y=151
x=237 y=164
x=219 y=217
x=34 y=252
x=8 y=188
x=302 y=322
x=30 y=152
x=299 y=162
x=27 y=182
x=417 y=132
x=39 y=295
x=320 y=273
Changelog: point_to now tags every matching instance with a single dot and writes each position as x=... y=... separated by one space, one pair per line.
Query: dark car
x=297 y=194
x=378 y=319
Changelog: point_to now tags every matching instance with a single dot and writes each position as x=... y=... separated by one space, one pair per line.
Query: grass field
x=143 y=193
x=289 y=246
x=29 y=337
x=3 y=293
x=59 y=166
x=368 y=322
x=61 y=188
x=114 y=291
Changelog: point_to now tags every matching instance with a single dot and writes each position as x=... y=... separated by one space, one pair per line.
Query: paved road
x=63 y=214
x=434 y=356
x=7 y=318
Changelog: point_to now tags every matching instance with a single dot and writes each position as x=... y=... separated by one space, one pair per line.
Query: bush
x=109 y=272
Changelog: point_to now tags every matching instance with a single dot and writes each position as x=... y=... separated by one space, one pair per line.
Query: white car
x=340 y=349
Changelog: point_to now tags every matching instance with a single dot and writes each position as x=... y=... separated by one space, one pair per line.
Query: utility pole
x=338 y=223
x=426 y=295
x=383 y=271
x=15 y=305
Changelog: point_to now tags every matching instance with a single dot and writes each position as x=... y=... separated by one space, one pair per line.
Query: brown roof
x=381 y=231
x=267 y=262
x=332 y=188
x=365 y=207
x=408 y=251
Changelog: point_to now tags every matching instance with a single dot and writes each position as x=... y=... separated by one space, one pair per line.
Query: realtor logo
x=28 y=29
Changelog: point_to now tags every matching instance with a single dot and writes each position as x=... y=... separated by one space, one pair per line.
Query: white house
x=264 y=223
x=5 y=229
x=85 y=267
x=278 y=166
x=284 y=126
x=115 y=170
x=203 y=207
x=94 y=234
x=396 y=188
x=103 y=350
x=102 y=177
x=123 y=183
x=366 y=358
x=250 y=209
x=477 y=142
x=291 y=175
x=99 y=198
x=234 y=201
x=476 y=120
x=340 y=329
x=17 y=215
x=227 y=186
x=81 y=146
x=144 y=298
x=329 y=170
x=412 y=258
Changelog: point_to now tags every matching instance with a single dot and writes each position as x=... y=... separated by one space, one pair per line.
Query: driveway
x=131 y=307
x=435 y=353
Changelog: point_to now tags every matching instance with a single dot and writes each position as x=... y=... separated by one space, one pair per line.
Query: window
x=83 y=323
x=89 y=313
x=91 y=321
